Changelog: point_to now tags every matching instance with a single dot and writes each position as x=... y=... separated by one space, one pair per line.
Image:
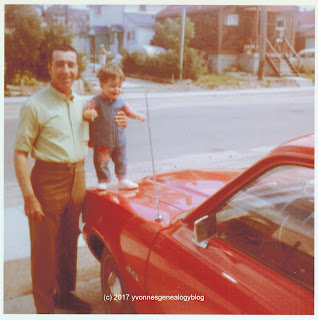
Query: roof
x=98 y=30
x=141 y=19
x=116 y=28
x=174 y=11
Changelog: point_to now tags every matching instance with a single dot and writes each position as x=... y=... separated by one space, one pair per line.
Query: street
x=183 y=126
x=198 y=130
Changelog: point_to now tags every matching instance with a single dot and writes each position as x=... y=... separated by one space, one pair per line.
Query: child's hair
x=110 y=71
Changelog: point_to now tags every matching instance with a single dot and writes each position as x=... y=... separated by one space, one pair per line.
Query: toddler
x=109 y=140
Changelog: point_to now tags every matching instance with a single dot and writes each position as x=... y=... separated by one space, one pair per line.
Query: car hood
x=178 y=192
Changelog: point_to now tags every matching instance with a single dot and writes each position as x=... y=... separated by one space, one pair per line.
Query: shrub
x=161 y=65
x=193 y=64
x=27 y=78
x=164 y=65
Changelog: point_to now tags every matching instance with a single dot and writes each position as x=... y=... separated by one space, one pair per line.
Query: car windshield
x=272 y=220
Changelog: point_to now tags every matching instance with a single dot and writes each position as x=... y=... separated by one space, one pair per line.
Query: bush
x=27 y=78
x=161 y=65
x=164 y=65
x=193 y=64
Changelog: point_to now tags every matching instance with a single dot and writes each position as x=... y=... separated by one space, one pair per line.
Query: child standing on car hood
x=109 y=140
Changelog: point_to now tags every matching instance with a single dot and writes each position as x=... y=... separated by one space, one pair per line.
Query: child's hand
x=89 y=114
x=141 y=117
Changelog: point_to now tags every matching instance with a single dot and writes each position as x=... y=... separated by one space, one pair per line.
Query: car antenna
x=159 y=217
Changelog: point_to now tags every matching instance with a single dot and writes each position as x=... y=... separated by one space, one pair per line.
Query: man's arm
x=32 y=206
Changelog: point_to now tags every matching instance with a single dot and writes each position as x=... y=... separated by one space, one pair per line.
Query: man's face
x=111 y=88
x=63 y=70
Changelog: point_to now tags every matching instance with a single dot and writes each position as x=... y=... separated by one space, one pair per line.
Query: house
x=77 y=21
x=230 y=35
x=305 y=30
x=121 y=26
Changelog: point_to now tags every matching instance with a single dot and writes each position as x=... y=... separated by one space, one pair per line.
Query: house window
x=280 y=23
x=231 y=20
x=280 y=28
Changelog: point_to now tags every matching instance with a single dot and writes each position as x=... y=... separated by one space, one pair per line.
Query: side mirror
x=204 y=229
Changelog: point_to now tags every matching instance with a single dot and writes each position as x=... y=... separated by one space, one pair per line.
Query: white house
x=121 y=26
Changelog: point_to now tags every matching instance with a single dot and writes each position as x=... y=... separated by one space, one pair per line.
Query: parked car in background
x=307 y=60
x=212 y=242
x=152 y=50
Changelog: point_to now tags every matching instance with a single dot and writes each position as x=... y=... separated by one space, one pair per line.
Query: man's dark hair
x=61 y=47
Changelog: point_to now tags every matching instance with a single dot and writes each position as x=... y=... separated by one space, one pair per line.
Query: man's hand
x=121 y=119
x=32 y=205
x=32 y=208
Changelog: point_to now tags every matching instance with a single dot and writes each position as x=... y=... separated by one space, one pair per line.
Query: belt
x=58 y=165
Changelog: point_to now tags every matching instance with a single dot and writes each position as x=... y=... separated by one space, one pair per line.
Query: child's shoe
x=127 y=184
x=102 y=186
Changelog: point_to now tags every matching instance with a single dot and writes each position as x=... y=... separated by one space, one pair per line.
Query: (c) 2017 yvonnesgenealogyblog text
x=178 y=297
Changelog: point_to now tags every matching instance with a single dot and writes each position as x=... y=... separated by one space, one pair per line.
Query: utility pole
x=262 y=43
x=182 y=41
x=66 y=15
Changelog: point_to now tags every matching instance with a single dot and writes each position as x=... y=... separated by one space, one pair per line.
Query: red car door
x=183 y=278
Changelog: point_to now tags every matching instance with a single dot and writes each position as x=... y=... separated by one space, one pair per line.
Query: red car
x=215 y=242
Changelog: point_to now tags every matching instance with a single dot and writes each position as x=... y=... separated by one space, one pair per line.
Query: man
x=52 y=129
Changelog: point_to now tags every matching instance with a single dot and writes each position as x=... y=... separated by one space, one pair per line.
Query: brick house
x=230 y=35
x=305 y=30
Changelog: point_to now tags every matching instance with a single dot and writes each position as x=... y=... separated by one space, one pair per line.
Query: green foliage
x=23 y=37
x=166 y=65
x=193 y=64
x=27 y=78
x=28 y=43
x=212 y=81
x=161 y=65
x=309 y=76
x=168 y=33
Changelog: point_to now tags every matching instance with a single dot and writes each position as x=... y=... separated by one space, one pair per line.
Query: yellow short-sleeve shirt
x=52 y=128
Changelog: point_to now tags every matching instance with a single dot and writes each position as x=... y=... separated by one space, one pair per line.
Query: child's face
x=111 y=88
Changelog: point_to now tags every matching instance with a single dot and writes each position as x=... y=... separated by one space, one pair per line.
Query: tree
x=52 y=34
x=168 y=36
x=168 y=33
x=28 y=43
x=23 y=37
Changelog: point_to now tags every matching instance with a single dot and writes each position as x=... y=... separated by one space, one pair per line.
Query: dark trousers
x=60 y=188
